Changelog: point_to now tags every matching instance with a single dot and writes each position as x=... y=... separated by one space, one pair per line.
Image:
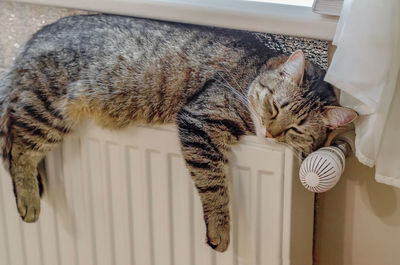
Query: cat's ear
x=339 y=116
x=294 y=66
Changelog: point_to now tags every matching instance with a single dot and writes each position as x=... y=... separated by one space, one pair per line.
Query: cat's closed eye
x=302 y=121
x=293 y=129
x=275 y=110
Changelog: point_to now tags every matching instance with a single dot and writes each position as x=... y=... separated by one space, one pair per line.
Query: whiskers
x=240 y=97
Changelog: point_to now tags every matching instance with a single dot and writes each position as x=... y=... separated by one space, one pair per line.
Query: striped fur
x=121 y=70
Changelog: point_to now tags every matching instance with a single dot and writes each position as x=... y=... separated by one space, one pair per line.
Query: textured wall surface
x=19 y=21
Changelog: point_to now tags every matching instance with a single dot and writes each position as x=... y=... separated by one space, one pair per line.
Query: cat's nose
x=273 y=132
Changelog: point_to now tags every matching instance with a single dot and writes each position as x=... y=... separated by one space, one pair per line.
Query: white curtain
x=366 y=68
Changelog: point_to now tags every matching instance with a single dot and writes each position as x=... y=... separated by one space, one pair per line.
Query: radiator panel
x=131 y=201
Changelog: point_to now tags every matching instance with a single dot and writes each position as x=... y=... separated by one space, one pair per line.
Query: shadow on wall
x=387 y=208
x=379 y=198
x=357 y=214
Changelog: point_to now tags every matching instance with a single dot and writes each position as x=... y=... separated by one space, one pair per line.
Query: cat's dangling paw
x=28 y=204
x=218 y=234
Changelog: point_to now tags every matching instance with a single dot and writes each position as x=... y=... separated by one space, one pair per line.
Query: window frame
x=245 y=15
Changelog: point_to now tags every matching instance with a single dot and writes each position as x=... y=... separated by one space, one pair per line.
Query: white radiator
x=131 y=201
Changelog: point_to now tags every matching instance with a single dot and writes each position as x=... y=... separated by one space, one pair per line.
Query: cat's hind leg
x=32 y=132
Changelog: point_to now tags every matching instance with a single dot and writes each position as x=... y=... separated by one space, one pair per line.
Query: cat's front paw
x=28 y=204
x=218 y=234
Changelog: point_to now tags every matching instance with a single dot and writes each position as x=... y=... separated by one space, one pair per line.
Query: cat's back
x=89 y=46
x=96 y=36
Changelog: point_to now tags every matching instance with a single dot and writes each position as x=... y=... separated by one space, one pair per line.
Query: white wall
x=358 y=222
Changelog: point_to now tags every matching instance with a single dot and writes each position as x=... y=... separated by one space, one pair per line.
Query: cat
x=214 y=84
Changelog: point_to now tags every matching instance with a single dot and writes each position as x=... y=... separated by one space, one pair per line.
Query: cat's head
x=290 y=102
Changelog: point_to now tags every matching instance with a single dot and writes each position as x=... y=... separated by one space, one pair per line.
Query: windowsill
x=247 y=15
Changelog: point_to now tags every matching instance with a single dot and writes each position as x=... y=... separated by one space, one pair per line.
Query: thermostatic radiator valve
x=322 y=169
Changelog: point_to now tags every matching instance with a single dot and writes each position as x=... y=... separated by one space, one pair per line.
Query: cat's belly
x=117 y=112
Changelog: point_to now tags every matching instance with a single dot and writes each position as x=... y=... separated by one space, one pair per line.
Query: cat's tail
x=5 y=117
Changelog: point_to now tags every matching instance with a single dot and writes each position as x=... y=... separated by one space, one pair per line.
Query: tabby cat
x=214 y=84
